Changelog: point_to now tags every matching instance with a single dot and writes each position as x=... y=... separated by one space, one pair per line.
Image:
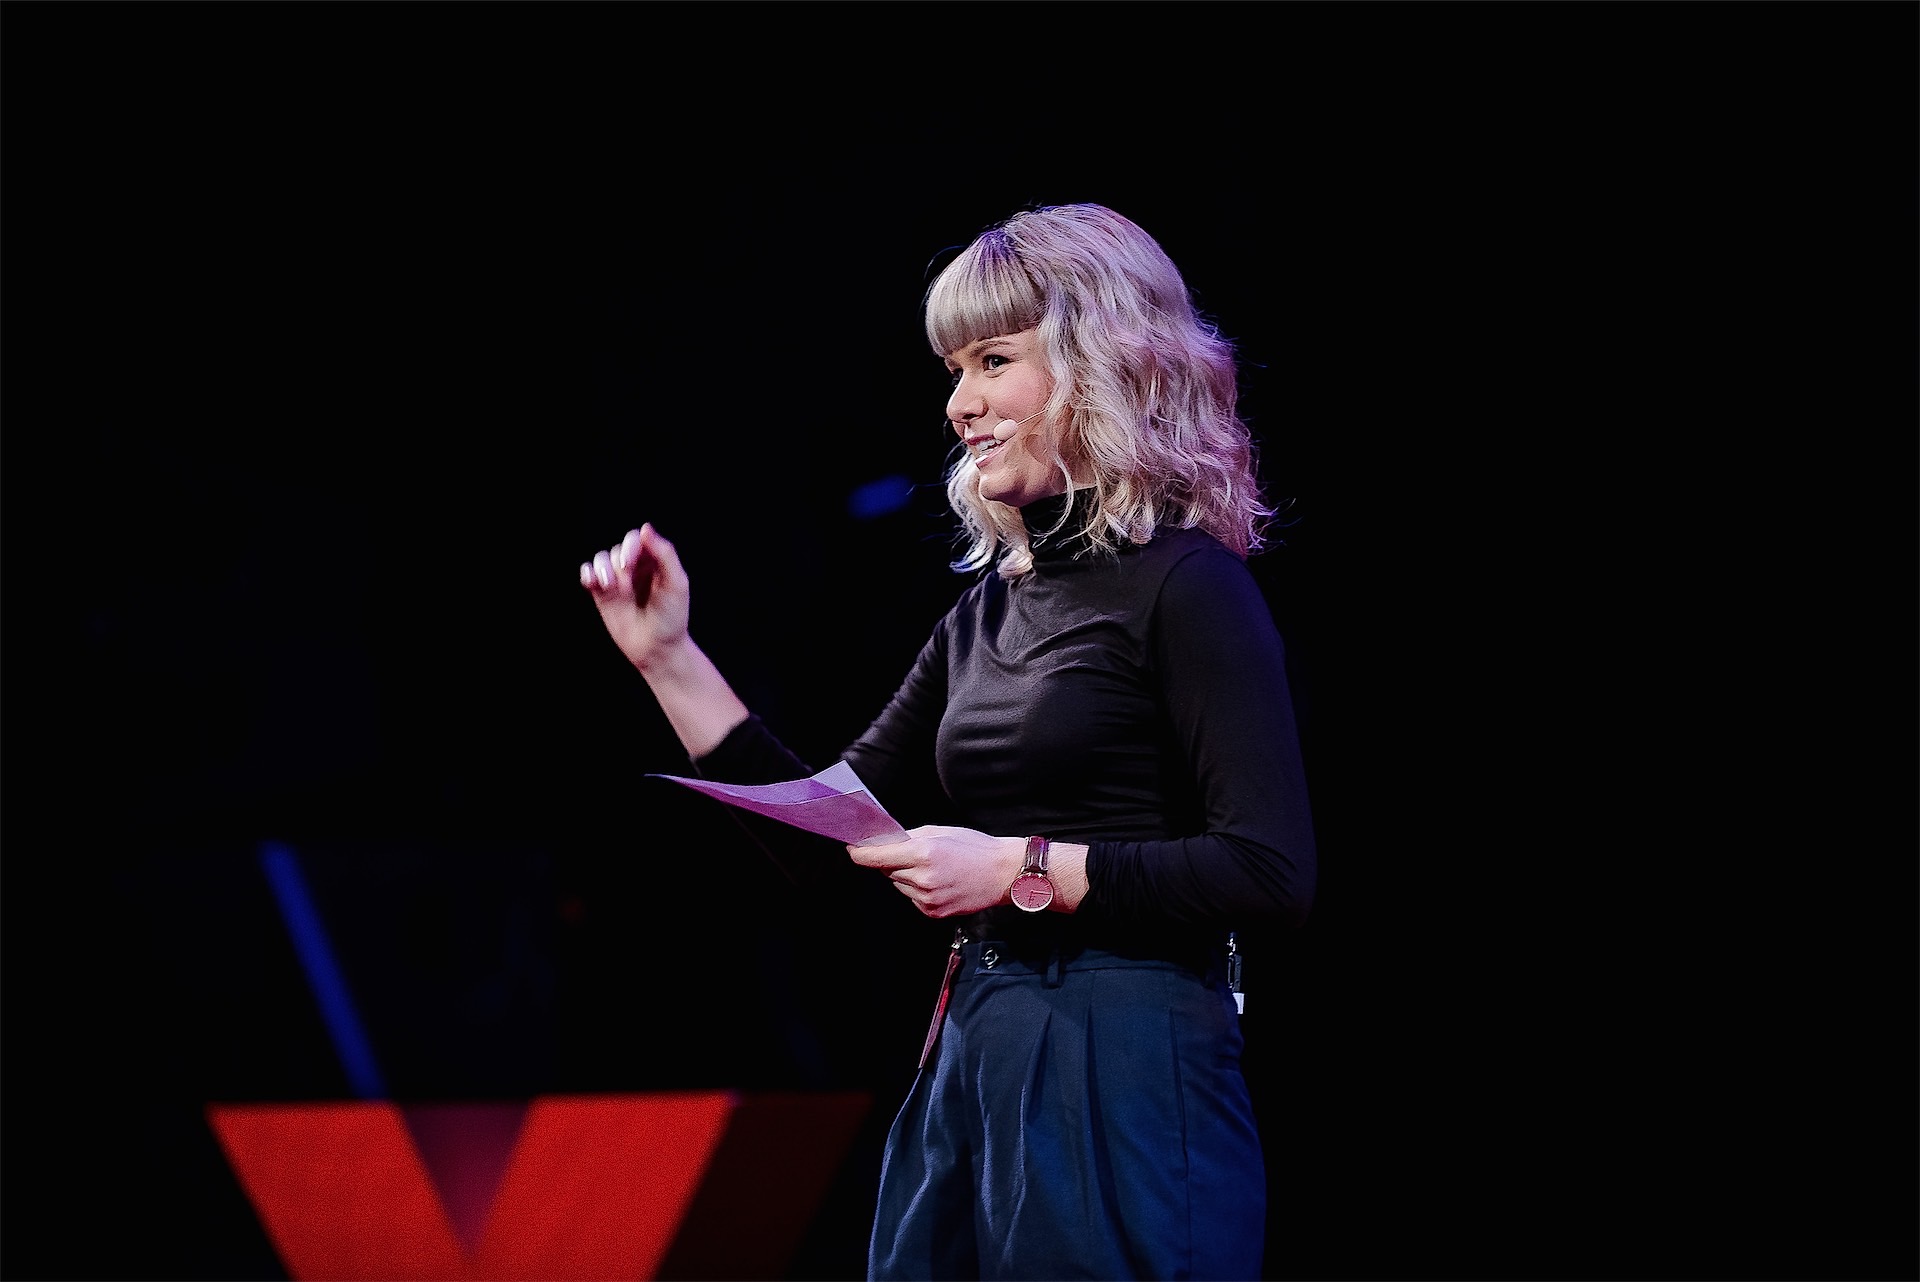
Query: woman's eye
x=994 y=362
x=953 y=378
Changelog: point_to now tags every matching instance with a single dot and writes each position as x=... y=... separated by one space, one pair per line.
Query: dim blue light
x=877 y=498
x=323 y=970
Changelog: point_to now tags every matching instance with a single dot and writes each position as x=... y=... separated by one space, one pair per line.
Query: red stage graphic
x=599 y=1187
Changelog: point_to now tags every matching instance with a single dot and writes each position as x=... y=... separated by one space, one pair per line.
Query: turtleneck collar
x=1041 y=515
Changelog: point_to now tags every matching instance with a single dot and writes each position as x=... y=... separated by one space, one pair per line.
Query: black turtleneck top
x=1136 y=702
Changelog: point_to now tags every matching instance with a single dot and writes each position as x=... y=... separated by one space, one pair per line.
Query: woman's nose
x=963 y=407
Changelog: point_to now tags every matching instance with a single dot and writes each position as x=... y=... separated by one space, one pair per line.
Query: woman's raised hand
x=642 y=593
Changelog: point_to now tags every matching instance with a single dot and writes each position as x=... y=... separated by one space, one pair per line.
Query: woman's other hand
x=642 y=594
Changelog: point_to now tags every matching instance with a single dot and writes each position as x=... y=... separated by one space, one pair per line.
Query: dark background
x=1580 y=337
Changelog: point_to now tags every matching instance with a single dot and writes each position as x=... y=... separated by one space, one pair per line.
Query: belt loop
x=1054 y=968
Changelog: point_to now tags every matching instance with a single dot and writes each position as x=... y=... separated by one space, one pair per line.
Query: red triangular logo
x=593 y=1188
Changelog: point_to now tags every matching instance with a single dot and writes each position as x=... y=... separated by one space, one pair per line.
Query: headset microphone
x=1016 y=424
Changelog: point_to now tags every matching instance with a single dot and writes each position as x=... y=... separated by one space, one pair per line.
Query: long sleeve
x=1221 y=668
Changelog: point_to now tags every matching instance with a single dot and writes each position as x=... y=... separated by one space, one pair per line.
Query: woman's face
x=1000 y=386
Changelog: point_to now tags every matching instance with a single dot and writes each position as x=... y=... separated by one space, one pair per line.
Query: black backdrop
x=1580 y=337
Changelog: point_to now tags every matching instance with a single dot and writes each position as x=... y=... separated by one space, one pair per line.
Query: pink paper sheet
x=833 y=803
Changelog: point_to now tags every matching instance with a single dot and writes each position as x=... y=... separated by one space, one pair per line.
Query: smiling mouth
x=980 y=449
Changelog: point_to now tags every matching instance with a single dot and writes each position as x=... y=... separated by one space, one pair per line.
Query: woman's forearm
x=699 y=704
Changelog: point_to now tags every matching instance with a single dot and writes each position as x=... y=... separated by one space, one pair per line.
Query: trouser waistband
x=991 y=956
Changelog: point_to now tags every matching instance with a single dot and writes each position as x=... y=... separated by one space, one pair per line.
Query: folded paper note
x=833 y=803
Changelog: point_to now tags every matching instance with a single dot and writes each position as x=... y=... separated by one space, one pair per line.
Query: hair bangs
x=983 y=293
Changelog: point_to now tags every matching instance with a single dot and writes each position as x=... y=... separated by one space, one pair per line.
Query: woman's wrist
x=1049 y=876
x=668 y=661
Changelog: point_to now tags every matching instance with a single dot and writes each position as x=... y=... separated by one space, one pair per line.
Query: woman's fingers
x=638 y=564
x=603 y=572
x=647 y=540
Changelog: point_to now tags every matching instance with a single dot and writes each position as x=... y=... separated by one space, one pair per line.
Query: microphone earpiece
x=985 y=447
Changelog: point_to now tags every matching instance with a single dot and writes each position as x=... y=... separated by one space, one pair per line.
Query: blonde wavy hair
x=1145 y=392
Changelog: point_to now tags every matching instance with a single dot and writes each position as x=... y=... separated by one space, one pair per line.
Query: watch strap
x=1032 y=889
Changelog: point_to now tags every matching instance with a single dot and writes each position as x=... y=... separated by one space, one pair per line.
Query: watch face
x=1032 y=892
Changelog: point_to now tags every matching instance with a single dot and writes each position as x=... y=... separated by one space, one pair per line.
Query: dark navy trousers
x=1084 y=1117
